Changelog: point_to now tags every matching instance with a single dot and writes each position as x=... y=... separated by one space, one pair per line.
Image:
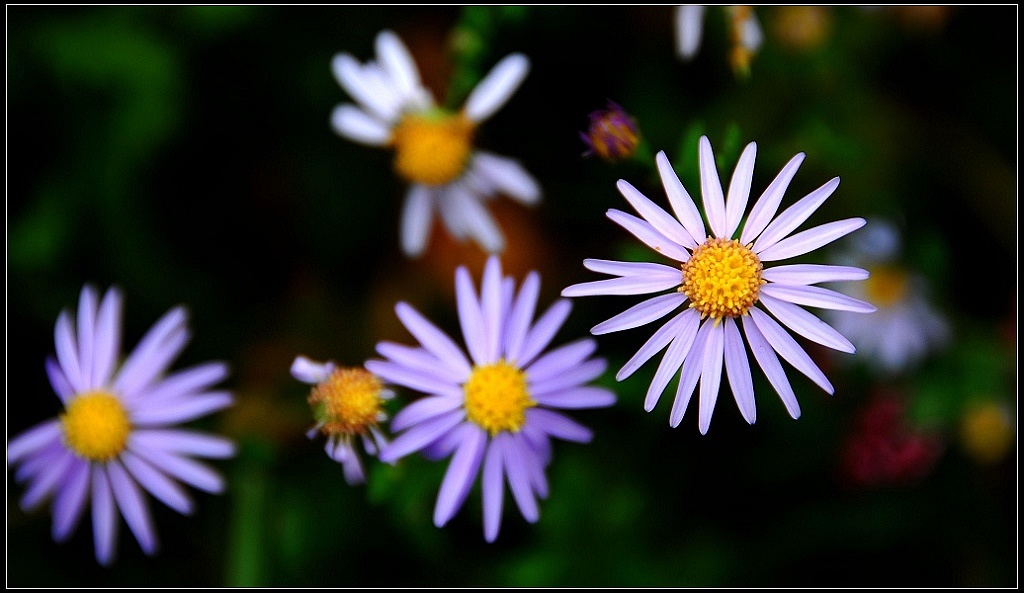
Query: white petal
x=803 y=274
x=816 y=296
x=811 y=239
x=622 y=286
x=507 y=176
x=473 y=217
x=806 y=324
x=711 y=189
x=642 y=313
x=793 y=216
x=682 y=204
x=353 y=123
x=689 y=21
x=650 y=236
x=765 y=356
x=365 y=87
x=678 y=350
x=417 y=216
x=630 y=268
x=308 y=371
x=396 y=60
x=692 y=368
x=738 y=369
x=662 y=221
x=739 y=189
x=683 y=323
x=711 y=376
x=497 y=87
x=768 y=204
x=787 y=347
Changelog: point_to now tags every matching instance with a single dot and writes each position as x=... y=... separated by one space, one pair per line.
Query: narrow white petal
x=711 y=376
x=816 y=296
x=629 y=268
x=804 y=274
x=508 y=177
x=811 y=239
x=677 y=352
x=497 y=87
x=308 y=371
x=682 y=204
x=520 y=316
x=787 y=347
x=538 y=338
x=396 y=60
x=711 y=189
x=738 y=369
x=739 y=189
x=417 y=216
x=433 y=339
x=768 y=204
x=356 y=125
x=650 y=236
x=629 y=285
x=642 y=313
x=471 y=318
x=793 y=216
x=807 y=324
x=477 y=222
x=692 y=368
x=662 y=221
x=684 y=322
x=689 y=21
x=461 y=473
x=769 y=363
x=365 y=87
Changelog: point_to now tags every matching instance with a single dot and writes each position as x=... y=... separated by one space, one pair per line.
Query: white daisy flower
x=720 y=284
x=433 y=147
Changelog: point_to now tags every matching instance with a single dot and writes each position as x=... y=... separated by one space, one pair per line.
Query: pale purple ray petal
x=492 y=489
x=678 y=350
x=32 y=440
x=682 y=204
x=576 y=398
x=133 y=506
x=570 y=377
x=423 y=409
x=417 y=216
x=441 y=447
x=104 y=517
x=539 y=439
x=538 y=338
x=557 y=425
x=412 y=378
x=183 y=469
x=471 y=317
x=684 y=322
x=58 y=381
x=816 y=296
x=520 y=316
x=642 y=313
x=738 y=369
x=363 y=87
x=787 y=347
x=461 y=473
x=519 y=477
x=397 y=61
x=173 y=410
x=508 y=295
x=107 y=342
x=154 y=353
x=69 y=502
x=711 y=189
x=662 y=221
x=421 y=435
x=496 y=88
x=156 y=483
x=64 y=340
x=691 y=372
x=46 y=481
x=448 y=208
x=352 y=469
x=477 y=222
x=793 y=216
x=768 y=204
x=418 y=359
x=739 y=189
x=86 y=332
x=507 y=176
x=804 y=274
x=811 y=239
x=807 y=325
x=433 y=339
x=490 y=306
x=557 y=360
x=630 y=268
x=649 y=235
x=185 y=442
x=711 y=376
x=689 y=25
x=40 y=460
x=533 y=462
x=628 y=285
x=765 y=356
x=353 y=123
x=188 y=381
x=309 y=371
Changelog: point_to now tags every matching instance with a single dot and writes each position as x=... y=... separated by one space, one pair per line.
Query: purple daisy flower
x=494 y=411
x=721 y=284
x=114 y=440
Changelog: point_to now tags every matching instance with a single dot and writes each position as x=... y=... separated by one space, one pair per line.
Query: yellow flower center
x=497 y=397
x=722 y=278
x=432 y=148
x=886 y=286
x=96 y=425
x=348 y=402
x=986 y=431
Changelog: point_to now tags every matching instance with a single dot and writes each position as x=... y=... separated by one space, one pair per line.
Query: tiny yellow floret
x=722 y=278
x=96 y=425
x=348 y=402
x=497 y=397
x=432 y=148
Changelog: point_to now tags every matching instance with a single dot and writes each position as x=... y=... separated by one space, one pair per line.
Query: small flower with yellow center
x=116 y=439
x=434 y=148
x=495 y=410
x=719 y=286
x=612 y=134
x=348 y=406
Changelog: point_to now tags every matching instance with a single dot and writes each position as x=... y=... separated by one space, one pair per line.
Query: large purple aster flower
x=494 y=410
x=114 y=440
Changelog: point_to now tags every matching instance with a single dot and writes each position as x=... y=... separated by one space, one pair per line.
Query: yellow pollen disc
x=886 y=286
x=722 y=278
x=96 y=425
x=497 y=397
x=432 y=149
x=348 y=402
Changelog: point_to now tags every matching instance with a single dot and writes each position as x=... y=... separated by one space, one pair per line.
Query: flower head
x=348 y=406
x=115 y=439
x=434 y=148
x=612 y=134
x=721 y=284
x=495 y=410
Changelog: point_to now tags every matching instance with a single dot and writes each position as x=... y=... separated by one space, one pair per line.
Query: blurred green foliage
x=184 y=153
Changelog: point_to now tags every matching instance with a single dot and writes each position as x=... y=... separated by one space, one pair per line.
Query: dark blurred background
x=184 y=153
